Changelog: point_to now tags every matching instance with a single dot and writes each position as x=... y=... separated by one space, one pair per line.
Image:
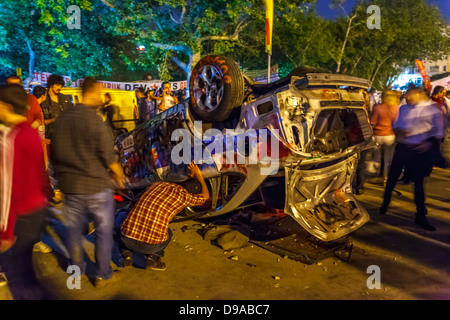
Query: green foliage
x=410 y=30
x=34 y=36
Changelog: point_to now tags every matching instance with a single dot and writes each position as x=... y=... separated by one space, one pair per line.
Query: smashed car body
x=293 y=144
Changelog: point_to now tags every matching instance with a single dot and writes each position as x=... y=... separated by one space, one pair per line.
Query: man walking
x=24 y=189
x=419 y=128
x=83 y=156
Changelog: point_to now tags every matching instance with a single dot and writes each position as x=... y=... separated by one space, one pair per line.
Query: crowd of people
x=153 y=102
x=82 y=163
x=47 y=143
x=409 y=130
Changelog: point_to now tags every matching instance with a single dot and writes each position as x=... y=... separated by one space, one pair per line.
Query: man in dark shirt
x=82 y=155
x=55 y=103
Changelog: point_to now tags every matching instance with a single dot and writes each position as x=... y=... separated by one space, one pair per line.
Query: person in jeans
x=146 y=228
x=382 y=119
x=24 y=191
x=419 y=128
x=84 y=162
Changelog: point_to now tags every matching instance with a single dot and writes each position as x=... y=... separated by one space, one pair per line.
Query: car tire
x=216 y=87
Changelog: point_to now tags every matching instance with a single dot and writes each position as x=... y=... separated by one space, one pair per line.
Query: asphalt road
x=391 y=259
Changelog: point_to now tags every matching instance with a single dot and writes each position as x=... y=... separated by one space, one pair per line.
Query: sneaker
x=42 y=247
x=423 y=222
x=156 y=264
x=127 y=261
x=100 y=282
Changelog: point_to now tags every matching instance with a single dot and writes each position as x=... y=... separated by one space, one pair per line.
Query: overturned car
x=293 y=144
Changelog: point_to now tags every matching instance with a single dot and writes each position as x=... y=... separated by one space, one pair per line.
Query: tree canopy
x=34 y=35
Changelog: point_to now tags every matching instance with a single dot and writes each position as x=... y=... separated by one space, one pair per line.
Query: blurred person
x=146 y=227
x=403 y=98
x=166 y=100
x=107 y=113
x=418 y=129
x=151 y=102
x=438 y=95
x=52 y=107
x=35 y=118
x=181 y=94
x=360 y=175
x=25 y=188
x=108 y=110
x=41 y=95
x=33 y=113
x=55 y=103
x=383 y=117
x=83 y=156
x=140 y=93
x=147 y=108
x=142 y=105
x=367 y=102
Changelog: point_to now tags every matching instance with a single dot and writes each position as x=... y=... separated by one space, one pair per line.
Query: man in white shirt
x=166 y=100
x=419 y=128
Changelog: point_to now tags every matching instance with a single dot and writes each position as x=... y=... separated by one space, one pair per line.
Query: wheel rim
x=208 y=88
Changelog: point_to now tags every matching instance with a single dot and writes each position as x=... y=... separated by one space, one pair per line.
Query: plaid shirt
x=149 y=219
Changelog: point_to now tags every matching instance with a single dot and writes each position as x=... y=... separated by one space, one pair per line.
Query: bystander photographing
x=166 y=99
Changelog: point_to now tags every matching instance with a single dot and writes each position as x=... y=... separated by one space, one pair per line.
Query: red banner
x=425 y=77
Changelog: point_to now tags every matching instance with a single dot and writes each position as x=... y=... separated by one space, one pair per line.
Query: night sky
x=325 y=11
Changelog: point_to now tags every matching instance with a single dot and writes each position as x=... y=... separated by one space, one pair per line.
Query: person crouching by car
x=146 y=228
x=24 y=190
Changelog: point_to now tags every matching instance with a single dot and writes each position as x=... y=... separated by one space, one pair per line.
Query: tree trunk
x=356 y=63
x=341 y=55
x=372 y=79
x=31 y=63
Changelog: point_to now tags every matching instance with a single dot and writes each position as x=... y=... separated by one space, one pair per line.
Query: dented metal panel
x=321 y=200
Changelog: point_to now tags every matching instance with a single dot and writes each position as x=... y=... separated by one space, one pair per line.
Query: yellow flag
x=269 y=25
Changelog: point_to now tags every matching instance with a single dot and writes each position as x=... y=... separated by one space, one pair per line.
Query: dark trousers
x=18 y=261
x=360 y=175
x=417 y=166
x=153 y=251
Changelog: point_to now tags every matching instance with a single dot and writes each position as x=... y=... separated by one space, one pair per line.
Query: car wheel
x=216 y=86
